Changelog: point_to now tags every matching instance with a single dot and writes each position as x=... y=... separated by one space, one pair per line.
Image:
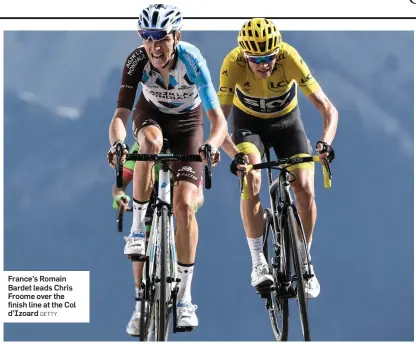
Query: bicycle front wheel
x=277 y=307
x=300 y=285
x=162 y=304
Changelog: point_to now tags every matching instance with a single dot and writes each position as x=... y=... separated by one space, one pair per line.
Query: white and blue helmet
x=160 y=17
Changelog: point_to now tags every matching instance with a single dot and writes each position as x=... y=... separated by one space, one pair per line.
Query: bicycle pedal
x=265 y=291
x=184 y=329
x=137 y=258
x=288 y=293
x=307 y=276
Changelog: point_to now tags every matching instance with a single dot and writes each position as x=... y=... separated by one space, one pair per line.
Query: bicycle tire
x=143 y=322
x=277 y=307
x=300 y=287
x=147 y=330
x=146 y=326
x=162 y=319
x=148 y=295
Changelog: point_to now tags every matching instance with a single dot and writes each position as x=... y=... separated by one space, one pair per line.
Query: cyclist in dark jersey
x=176 y=84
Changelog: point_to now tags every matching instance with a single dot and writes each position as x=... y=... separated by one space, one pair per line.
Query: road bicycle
x=281 y=224
x=160 y=282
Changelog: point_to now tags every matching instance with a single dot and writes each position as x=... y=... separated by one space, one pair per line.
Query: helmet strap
x=174 y=50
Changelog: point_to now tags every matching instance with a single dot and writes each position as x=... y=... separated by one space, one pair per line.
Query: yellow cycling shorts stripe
x=247 y=148
x=307 y=165
x=245 y=194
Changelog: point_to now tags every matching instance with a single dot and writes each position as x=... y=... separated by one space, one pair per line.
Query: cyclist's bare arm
x=118 y=125
x=219 y=127
x=228 y=145
x=328 y=112
x=131 y=76
x=121 y=192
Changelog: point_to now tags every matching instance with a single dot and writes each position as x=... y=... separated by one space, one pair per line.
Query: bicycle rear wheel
x=300 y=285
x=162 y=304
x=146 y=323
x=277 y=307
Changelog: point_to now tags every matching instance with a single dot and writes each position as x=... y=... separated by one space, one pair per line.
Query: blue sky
x=60 y=95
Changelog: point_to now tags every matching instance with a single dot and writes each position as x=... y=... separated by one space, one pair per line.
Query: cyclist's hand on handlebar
x=112 y=156
x=121 y=201
x=239 y=164
x=325 y=151
x=215 y=154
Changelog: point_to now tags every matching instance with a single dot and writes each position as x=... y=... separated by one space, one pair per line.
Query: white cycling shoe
x=133 y=327
x=135 y=244
x=185 y=312
x=312 y=286
x=260 y=276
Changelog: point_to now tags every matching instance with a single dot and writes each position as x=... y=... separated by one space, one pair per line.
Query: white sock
x=137 y=299
x=256 y=250
x=185 y=273
x=139 y=212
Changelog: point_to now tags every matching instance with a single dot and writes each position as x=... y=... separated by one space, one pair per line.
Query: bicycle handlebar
x=163 y=157
x=119 y=218
x=326 y=169
x=119 y=165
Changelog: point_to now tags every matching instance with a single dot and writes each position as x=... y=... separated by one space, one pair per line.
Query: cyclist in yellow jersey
x=121 y=199
x=259 y=82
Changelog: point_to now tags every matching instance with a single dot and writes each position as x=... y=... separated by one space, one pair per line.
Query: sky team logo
x=267 y=105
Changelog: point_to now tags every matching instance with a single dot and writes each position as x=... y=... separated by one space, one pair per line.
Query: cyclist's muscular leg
x=252 y=216
x=186 y=235
x=250 y=206
x=149 y=137
x=150 y=140
x=187 y=228
x=303 y=188
x=304 y=192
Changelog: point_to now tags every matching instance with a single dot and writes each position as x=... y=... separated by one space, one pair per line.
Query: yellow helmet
x=259 y=36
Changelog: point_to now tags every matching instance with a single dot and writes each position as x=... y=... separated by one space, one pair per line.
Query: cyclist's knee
x=184 y=200
x=303 y=189
x=150 y=140
x=252 y=181
x=252 y=185
x=184 y=209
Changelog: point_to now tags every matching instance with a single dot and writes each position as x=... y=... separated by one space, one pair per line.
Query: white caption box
x=46 y=296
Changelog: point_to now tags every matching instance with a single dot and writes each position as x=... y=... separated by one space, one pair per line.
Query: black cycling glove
x=238 y=160
x=326 y=148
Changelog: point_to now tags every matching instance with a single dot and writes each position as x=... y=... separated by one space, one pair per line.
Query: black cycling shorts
x=285 y=134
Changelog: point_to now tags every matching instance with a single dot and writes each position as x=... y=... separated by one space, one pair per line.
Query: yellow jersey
x=265 y=98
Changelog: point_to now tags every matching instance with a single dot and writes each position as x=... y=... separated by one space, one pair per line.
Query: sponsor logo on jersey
x=226 y=89
x=188 y=172
x=193 y=62
x=276 y=86
x=184 y=87
x=281 y=56
x=171 y=94
x=241 y=61
x=306 y=81
x=134 y=60
x=267 y=105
